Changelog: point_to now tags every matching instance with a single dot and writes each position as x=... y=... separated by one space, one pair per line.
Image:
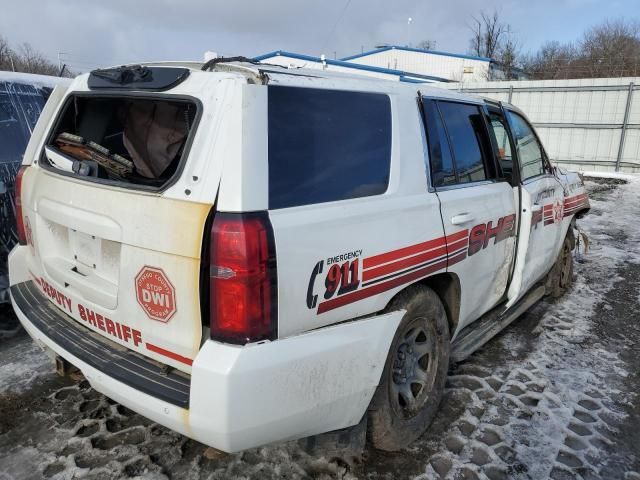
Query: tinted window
x=442 y=171
x=12 y=136
x=501 y=136
x=327 y=145
x=465 y=126
x=527 y=146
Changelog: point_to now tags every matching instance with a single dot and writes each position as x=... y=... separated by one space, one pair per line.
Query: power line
x=338 y=20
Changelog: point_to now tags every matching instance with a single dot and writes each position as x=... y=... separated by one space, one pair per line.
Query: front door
x=478 y=208
x=542 y=197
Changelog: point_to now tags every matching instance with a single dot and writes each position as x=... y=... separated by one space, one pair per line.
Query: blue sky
x=117 y=31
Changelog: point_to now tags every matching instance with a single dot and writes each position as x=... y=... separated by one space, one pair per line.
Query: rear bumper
x=242 y=397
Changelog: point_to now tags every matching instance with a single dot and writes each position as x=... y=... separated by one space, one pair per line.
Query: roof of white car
x=277 y=74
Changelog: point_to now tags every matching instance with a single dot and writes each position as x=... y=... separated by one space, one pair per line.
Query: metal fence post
x=625 y=122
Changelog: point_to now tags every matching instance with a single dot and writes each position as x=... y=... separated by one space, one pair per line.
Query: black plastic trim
x=165 y=78
x=114 y=360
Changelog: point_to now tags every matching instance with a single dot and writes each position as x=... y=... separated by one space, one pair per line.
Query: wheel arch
x=447 y=286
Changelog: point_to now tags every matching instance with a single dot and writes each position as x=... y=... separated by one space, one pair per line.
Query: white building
x=452 y=66
x=296 y=60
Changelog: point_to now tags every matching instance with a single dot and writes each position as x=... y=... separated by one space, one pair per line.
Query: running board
x=481 y=331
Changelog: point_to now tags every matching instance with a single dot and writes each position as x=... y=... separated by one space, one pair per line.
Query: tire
x=560 y=277
x=407 y=399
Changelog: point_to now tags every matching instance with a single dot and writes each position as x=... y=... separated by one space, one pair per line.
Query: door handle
x=461 y=218
x=536 y=207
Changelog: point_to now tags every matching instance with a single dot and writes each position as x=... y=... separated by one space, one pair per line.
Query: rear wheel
x=561 y=275
x=415 y=372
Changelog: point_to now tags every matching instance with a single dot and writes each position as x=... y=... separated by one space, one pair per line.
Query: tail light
x=22 y=234
x=242 y=278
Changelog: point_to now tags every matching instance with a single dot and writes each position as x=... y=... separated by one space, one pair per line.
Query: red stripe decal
x=402 y=264
x=379 y=288
x=457 y=236
x=457 y=258
x=168 y=354
x=452 y=247
x=402 y=252
x=411 y=250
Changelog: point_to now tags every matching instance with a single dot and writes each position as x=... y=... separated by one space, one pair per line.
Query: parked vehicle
x=22 y=97
x=248 y=254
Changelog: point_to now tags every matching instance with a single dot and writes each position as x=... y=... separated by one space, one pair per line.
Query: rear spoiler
x=137 y=77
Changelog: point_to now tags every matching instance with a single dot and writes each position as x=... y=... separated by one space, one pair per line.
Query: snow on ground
x=22 y=364
x=553 y=396
x=548 y=406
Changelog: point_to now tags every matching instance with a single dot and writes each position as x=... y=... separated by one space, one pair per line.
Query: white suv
x=247 y=254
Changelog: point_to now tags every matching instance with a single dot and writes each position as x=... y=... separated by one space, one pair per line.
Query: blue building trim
x=414 y=77
x=409 y=49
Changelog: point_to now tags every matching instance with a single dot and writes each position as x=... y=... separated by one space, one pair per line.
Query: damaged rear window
x=138 y=141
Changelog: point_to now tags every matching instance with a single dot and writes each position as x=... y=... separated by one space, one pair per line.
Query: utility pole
x=60 y=54
x=13 y=66
x=409 y=20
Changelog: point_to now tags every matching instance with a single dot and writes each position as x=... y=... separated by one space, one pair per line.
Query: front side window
x=501 y=135
x=527 y=146
x=465 y=126
x=327 y=145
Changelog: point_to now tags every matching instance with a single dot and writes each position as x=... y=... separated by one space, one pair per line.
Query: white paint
x=317 y=376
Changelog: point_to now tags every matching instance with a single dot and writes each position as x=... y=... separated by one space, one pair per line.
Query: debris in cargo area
x=120 y=138
x=87 y=152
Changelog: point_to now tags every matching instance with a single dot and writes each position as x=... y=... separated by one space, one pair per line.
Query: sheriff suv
x=247 y=253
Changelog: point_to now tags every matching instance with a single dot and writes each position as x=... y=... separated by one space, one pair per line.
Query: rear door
x=542 y=197
x=478 y=208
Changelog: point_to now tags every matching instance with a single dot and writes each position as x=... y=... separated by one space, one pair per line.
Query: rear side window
x=465 y=126
x=327 y=145
x=442 y=171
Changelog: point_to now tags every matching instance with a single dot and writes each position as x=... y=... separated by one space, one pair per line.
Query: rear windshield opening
x=131 y=140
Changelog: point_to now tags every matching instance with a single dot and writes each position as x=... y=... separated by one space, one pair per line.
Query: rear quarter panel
x=310 y=239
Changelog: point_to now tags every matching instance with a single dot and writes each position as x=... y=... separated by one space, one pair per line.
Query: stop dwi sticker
x=156 y=294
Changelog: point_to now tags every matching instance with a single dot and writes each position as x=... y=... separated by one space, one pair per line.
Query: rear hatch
x=112 y=243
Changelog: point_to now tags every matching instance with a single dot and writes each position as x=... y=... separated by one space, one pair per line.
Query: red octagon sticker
x=155 y=293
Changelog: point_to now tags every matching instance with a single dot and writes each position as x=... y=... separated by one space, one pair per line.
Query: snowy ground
x=554 y=396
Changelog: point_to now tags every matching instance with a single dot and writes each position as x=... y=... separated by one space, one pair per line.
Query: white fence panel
x=587 y=124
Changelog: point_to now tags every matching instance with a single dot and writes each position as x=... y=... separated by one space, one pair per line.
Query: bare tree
x=488 y=34
x=6 y=55
x=508 y=55
x=32 y=61
x=552 y=61
x=610 y=49
x=426 y=44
